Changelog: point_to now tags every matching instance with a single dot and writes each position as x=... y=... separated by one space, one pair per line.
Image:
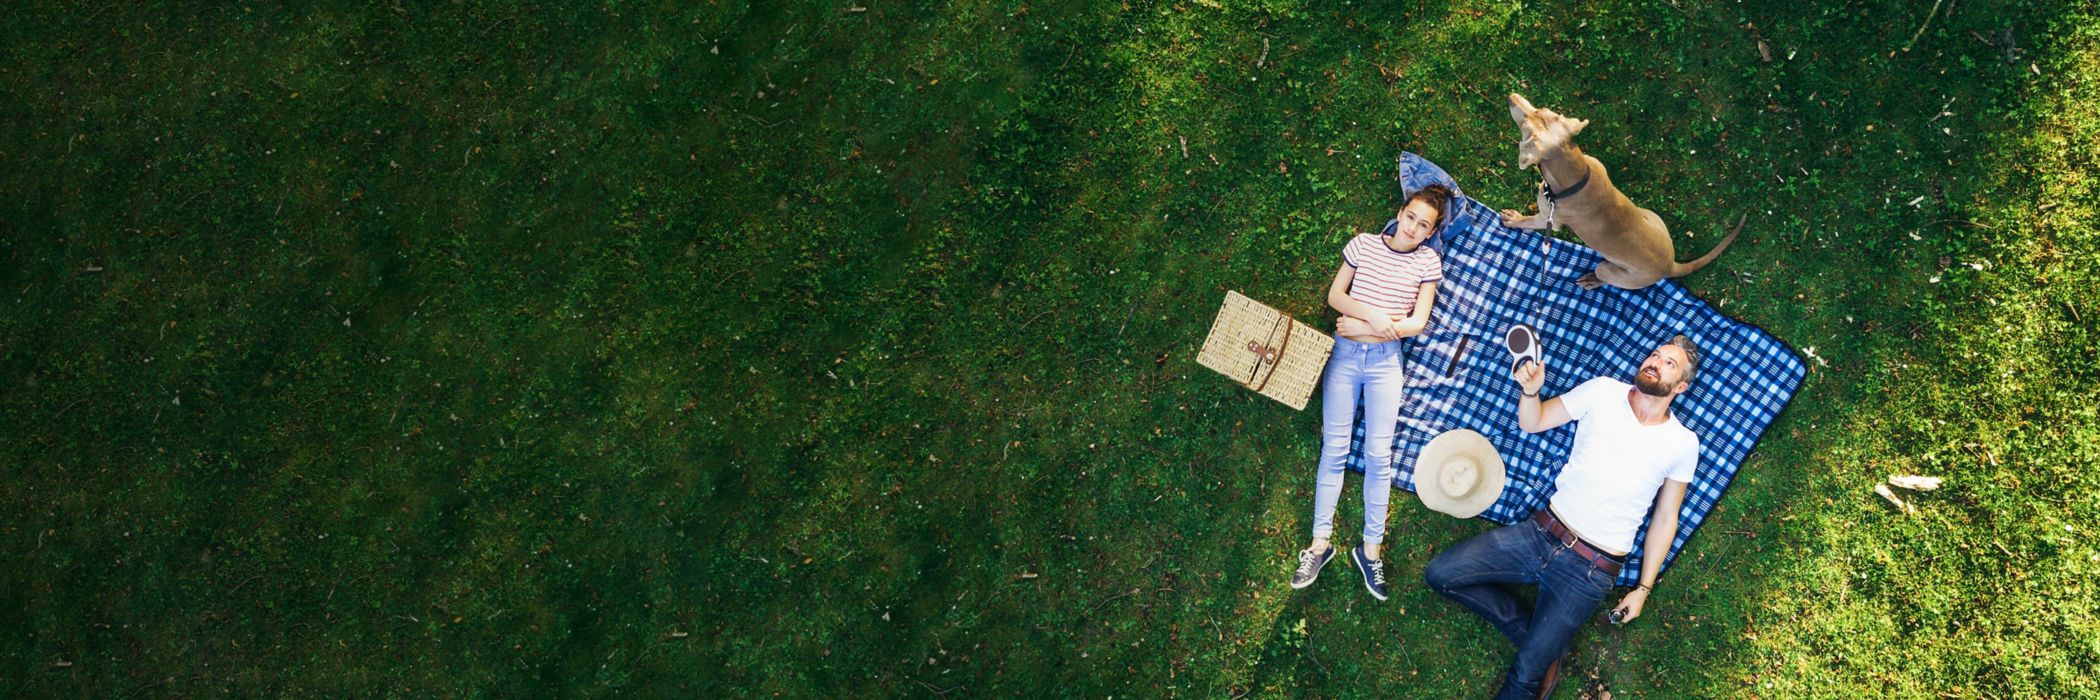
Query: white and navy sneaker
x=1373 y=571
x=1309 y=565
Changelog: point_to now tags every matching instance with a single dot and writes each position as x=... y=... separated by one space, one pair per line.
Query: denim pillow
x=1417 y=172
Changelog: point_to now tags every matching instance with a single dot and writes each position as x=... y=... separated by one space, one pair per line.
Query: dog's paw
x=1589 y=281
x=1510 y=217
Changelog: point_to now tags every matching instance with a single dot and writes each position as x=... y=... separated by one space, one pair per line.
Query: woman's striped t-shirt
x=1387 y=279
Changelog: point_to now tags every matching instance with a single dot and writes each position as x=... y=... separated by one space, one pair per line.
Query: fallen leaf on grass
x=1883 y=489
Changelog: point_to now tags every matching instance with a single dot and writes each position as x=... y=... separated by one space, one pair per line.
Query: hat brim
x=1447 y=449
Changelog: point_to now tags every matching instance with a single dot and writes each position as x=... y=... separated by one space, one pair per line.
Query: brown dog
x=1576 y=193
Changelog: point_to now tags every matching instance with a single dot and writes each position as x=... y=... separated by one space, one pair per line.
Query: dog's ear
x=1575 y=125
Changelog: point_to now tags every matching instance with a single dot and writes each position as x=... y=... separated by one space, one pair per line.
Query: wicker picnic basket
x=1265 y=350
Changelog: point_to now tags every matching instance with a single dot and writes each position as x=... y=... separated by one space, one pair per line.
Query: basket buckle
x=1265 y=353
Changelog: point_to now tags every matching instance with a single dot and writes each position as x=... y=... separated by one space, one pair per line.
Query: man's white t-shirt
x=1617 y=465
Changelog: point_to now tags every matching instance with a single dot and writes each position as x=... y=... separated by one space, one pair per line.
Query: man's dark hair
x=1691 y=356
x=1437 y=197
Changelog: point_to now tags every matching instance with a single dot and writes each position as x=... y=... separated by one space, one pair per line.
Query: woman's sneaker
x=1309 y=565
x=1373 y=571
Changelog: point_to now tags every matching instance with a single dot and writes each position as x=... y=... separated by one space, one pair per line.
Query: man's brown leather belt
x=1604 y=561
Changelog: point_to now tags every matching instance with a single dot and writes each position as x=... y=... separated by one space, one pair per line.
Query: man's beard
x=1651 y=385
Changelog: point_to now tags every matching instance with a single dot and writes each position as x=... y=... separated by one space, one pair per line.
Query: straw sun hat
x=1459 y=473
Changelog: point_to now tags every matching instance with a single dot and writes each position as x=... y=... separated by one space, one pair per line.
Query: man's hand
x=1531 y=376
x=1630 y=606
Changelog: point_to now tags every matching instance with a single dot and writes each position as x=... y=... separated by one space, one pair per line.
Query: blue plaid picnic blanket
x=1496 y=276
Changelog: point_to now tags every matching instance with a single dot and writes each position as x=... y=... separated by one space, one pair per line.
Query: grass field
x=644 y=349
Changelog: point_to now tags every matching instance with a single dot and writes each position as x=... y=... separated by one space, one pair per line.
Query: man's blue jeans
x=1380 y=373
x=1478 y=572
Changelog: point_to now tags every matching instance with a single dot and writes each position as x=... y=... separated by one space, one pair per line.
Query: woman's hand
x=1351 y=327
x=1381 y=325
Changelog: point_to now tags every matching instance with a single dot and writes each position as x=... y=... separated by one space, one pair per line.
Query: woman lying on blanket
x=1384 y=289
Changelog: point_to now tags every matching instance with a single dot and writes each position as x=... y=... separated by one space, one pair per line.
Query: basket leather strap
x=1289 y=324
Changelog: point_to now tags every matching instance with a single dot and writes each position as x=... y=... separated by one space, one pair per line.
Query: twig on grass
x=339 y=579
x=1890 y=496
x=493 y=25
x=191 y=198
x=1127 y=313
x=938 y=691
x=1921 y=28
x=1469 y=87
x=728 y=277
x=280 y=198
x=1038 y=317
x=1111 y=599
x=163 y=681
x=1943 y=108
x=1964 y=221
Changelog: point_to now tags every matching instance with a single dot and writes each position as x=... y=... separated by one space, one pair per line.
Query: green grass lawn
x=799 y=349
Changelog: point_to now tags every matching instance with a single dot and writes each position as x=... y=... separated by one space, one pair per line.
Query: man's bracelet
x=1645 y=587
x=1532 y=395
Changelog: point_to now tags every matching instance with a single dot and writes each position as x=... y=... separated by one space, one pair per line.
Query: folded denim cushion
x=1417 y=172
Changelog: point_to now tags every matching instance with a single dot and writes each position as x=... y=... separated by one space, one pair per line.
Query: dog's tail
x=1683 y=269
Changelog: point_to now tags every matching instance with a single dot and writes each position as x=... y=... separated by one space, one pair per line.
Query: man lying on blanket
x=1630 y=458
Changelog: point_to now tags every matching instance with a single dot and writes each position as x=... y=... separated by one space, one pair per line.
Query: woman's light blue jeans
x=1378 y=372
